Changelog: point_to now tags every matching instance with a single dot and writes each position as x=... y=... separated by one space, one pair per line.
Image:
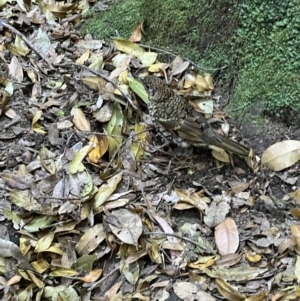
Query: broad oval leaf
x=227 y=237
x=281 y=155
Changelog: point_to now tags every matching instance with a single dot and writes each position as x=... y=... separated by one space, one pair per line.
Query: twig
x=104 y=278
x=104 y=77
x=173 y=54
x=238 y=108
x=58 y=198
x=56 y=224
x=175 y=235
x=119 y=147
x=6 y=25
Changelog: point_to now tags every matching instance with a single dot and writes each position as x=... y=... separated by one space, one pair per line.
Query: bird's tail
x=232 y=146
x=226 y=143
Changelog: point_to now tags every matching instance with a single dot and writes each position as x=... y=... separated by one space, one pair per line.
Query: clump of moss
x=184 y=26
x=267 y=44
x=120 y=18
x=255 y=41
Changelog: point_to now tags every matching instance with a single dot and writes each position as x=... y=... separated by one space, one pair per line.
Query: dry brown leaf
x=126 y=225
x=80 y=120
x=92 y=276
x=136 y=34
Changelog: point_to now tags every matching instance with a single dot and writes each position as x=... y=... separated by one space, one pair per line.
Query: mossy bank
x=254 y=43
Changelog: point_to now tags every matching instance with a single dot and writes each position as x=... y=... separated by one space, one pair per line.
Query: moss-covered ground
x=254 y=42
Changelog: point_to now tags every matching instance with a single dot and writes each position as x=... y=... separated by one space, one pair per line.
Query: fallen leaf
x=281 y=155
x=227 y=236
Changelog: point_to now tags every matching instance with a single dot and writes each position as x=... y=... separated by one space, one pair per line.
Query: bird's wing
x=186 y=128
x=192 y=131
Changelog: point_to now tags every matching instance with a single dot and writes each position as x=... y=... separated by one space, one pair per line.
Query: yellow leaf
x=148 y=58
x=157 y=66
x=101 y=146
x=44 y=243
x=106 y=190
x=129 y=47
x=76 y=162
x=253 y=258
x=83 y=58
x=92 y=276
x=61 y=272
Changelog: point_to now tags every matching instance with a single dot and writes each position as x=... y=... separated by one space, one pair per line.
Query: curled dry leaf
x=101 y=146
x=228 y=291
x=136 y=34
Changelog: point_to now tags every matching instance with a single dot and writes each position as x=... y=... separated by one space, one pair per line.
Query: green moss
x=120 y=18
x=254 y=41
x=268 y=54
x=186 y=27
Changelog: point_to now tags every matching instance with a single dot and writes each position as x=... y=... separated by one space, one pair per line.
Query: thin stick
x=104 y=278
x=119 y=147
x=104 y=77
x=173 y=54
x=4 y=24
x=175 y=235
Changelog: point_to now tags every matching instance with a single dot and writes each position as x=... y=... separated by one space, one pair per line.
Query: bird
x=177 y=120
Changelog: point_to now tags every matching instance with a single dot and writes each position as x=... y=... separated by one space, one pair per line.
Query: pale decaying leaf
x=90 y=240
x=281 y=155
x=227 y=236
x=192 y=199
x=216 y=213
x=126 y=225
x=235 y=274
x=190 y=292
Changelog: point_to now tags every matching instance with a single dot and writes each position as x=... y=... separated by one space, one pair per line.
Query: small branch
x=104 y=77
x=173 y=54
x=104 y=278
x=119 y=147
x=175 y=235
x=11 y=28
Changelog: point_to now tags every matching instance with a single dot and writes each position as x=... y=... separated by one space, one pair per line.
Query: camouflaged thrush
x=177 y=120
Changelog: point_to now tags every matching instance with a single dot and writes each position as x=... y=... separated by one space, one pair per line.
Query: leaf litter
x=88 y=196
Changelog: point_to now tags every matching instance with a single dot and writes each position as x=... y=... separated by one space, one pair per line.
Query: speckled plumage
x=179 y=121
